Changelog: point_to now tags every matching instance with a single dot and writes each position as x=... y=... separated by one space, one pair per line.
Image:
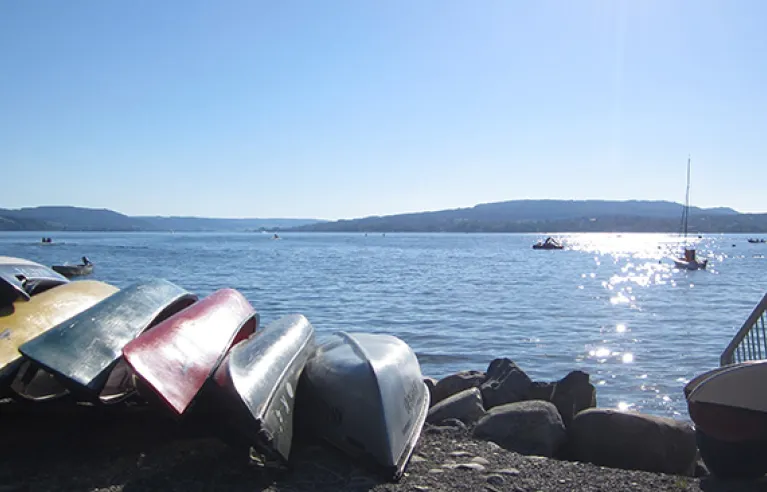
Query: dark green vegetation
x=556 y=216
x=512 y=216
x=88 y=219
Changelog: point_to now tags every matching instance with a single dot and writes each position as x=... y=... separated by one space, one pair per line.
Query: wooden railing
x=750 y=343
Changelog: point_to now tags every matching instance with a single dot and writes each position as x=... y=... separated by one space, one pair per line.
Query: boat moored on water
x=20 y=278
x=256 y=384
x=69 y=271
x=364 y=394
x=549 y=243
x=24 y=321
x=689 y=260
x=177 y=357
x=84 y=352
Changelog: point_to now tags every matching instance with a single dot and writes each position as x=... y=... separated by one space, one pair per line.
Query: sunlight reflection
x=623 y=406
x=627 y=358
x=621 y=328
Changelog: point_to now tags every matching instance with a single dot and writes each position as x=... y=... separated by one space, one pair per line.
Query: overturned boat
x=85 y=351
x=20 y=278
x=175 y=358
x=256 y=385
x=364 y=393
x=24 y=321
x=729 y=408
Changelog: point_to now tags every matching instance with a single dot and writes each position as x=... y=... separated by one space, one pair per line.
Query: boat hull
x=20 y=278
x=729 y=408
x=176 y=357
x=70 y=271
x=364 y=394
x=82 y=351
x=24 y=321
x=257 y=383
x=690 y=265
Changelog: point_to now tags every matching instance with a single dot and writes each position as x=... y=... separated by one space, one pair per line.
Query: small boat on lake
x=364 y=394
x=24 y=321
x=256 y=384
x=69 y=271
x=689 y=260
x=729 y=408
x=85 y=351
x=23 y=278
x=757 y=240
x=177 y=357
x=549 y=243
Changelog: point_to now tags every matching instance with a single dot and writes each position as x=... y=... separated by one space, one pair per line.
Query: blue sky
x=339 y=109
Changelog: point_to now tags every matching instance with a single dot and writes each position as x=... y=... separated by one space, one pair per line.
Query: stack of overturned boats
x=157 y=346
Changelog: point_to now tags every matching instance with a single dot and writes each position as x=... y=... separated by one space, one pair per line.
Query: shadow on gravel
x=713 y=484
x=66 y=448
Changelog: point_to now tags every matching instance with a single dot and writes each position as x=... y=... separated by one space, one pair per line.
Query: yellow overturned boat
x=24 y=320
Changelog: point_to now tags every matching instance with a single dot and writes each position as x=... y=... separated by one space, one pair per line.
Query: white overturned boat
x=729 y=407
x=364 y=394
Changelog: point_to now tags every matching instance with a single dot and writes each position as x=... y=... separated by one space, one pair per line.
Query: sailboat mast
x=687 y=199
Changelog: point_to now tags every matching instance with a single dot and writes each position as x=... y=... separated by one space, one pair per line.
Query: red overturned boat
x=177 y=357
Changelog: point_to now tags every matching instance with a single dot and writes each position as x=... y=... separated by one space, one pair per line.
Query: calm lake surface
x=610 y=304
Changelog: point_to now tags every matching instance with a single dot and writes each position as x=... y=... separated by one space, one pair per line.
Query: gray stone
x=572 y=394
x=465 y=406
x=633 y=441
x=497 y=480
x=528 y=427
x=512 y=472
x=430 y=384
x=482 y=461
x=505 y=383
x=454 y=423
x=459 y=454
x=455 y=383
x=470 y=466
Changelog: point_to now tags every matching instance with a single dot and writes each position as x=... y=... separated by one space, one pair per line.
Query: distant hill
x=69 y=219
x=88 y=219
x=206 y=224
x=556 y=216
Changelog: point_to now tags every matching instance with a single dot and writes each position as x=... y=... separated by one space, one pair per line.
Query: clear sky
x=339 y=109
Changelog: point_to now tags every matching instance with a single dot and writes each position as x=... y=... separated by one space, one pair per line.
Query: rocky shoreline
x=476 y=439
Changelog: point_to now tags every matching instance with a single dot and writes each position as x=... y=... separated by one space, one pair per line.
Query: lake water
x=610 y=304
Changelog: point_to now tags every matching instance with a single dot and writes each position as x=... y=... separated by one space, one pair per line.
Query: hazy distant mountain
x=88 y=219
x=69 y=219
x=206 y=224
x=556 y=216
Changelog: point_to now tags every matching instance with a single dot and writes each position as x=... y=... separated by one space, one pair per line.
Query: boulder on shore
x=505 y=383
x=455 y=383
x=528 y=427
x=633 y=441
x=465 y=406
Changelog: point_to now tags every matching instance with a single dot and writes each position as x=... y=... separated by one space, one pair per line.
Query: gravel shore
x=138 y=451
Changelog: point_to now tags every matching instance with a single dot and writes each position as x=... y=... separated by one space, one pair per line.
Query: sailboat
x=689 y=261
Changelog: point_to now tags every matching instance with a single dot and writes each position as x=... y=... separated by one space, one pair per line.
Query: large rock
x=572 y=394
x=465 y=406
x=528 y=427
x=455 y=383
x=505 y=383
x=430 y=383
x=633 y=441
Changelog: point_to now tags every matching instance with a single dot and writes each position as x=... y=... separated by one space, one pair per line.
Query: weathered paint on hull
x=177 y=356
x=23 y=321
x=83 y=350
x=257 y=383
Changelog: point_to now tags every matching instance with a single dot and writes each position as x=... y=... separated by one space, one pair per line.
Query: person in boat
x=689 y=255
x=86 y=261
